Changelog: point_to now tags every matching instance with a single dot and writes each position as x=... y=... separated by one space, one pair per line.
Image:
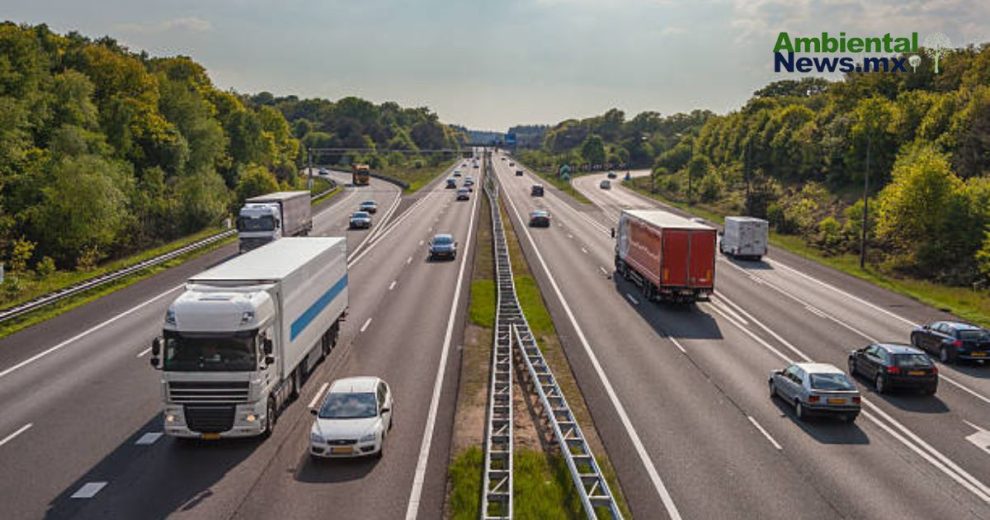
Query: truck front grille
x=208 y=392
x=209 y=419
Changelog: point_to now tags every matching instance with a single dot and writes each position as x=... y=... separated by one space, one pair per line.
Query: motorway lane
x=89 y=399
x=859 y=471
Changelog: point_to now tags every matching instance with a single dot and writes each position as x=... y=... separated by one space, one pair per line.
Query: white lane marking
x=634 y=437
x=89 y=490
x=19 y=431
x=604 y=271
x=583 y=250
x=928 y=452
x=725 y=309
x=676 y=343
x=144 y=352
x=421 y=242
x=409 y=260
x=88 y=331
x=148 y=438
x=815 y=311
x=365 y=326
x=633 y=300
x=319 y=393
x=391 y=285
x=981 y=438
x=570 y=235
x=764 y=432
x=412 y=511
x=750 y=333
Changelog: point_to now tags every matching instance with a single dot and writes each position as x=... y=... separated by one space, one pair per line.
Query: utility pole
x=310 y=153
x=866 y=200
x=747 y=205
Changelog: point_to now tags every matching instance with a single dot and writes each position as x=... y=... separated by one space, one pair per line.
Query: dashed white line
x=148 y=438
x=89 y=490
x=677 y=344
x=365 y=326
x=631 y=299
x=144 y=352
x=603 y=270
x=764 y=432
x=19 y=431
x=409 y=260
x=421 y=242
x=319 y=393
x=570 y=235
x=391 y=285
x=583 y=250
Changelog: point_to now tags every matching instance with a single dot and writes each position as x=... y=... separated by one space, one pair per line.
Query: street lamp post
x=866 y=201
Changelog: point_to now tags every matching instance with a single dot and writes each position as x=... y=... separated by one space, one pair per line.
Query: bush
x=711 y=187
x=12 y=287
x=20 y=252
x=829 y=234
x=45 y=267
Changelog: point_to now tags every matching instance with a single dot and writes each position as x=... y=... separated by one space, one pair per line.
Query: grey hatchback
x=816 y=389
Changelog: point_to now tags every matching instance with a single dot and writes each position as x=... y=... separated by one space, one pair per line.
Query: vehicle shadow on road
x=826 y=430
x=977 y=369
x=677 y=320
x=333 y=470
x=758 y=265
x=155 y=480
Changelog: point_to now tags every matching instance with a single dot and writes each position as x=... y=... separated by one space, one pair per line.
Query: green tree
x=255 y=180
x=593 y=150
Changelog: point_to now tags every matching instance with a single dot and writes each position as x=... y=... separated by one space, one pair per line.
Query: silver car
x=816 y=389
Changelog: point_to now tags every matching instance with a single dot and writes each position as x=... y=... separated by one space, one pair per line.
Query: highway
x=80 y=435
x=679 y=394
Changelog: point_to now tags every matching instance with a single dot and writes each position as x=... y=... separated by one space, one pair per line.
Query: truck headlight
x=368 y=438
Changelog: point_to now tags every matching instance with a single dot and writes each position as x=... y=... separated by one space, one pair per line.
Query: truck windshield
x=209 y=353
x=265 y=223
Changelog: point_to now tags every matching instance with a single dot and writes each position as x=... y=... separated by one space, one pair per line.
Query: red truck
x=671 y=258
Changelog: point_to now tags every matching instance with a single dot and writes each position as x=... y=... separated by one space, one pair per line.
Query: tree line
x=797 y=154
x=105 y=151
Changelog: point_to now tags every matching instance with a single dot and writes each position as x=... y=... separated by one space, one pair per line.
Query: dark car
x=519 y=173
x=370 y=206
x=443 y=246
x=891 y=365
x=451 y=183
x=539 y=218
x=952 y=341
x=464 y=194
x=611 y=175
x=537 y=190
x=360 y=220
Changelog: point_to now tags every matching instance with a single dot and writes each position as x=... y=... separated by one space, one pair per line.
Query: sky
x=489 y=64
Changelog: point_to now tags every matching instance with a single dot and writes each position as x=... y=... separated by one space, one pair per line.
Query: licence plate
x=979 y=354
x=836 y=401
x=210 y=436
x=916 y=372
x=341 y=450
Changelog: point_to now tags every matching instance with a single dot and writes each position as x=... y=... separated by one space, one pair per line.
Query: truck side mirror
x=154 y=362
x=269 y=359
x=268 y=346
x=156 y=347
x=613 y=232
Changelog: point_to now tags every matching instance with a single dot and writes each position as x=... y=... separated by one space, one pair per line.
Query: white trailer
x=265 y=218
x=744 y=237
x=239 y=341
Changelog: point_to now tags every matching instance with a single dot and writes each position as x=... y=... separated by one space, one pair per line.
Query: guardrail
x=496 y=499
x=92 y=283
x=593 y=490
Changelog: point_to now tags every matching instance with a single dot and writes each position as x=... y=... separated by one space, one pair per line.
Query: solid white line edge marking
x=89 y=490
x=764 y=432
x=148 y=438
x=319 y=393
x=19 y=431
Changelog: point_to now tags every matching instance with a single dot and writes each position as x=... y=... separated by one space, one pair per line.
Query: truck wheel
x=326 y=343
x=271 y=417
x=296 y=376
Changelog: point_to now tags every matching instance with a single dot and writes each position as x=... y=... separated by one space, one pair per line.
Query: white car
x=353 y=420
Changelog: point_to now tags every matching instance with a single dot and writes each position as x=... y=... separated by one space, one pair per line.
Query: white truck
x=265 y=218
x=238 y=343
x=744 y=237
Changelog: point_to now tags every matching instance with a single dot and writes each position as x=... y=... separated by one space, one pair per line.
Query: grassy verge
x=50 y=311
x=968 y=304
x=541 y=323
x=419 y=177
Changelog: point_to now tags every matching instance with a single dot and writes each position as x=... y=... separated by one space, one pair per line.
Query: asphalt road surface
x=80 y=432
x=680 y=396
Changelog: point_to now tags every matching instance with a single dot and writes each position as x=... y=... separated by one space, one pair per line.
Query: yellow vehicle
x=360 y=175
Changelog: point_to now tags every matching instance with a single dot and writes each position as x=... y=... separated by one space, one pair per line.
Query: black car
x=519 y=173
x=443 y=246
x=536 y=190
x=611 y=175
x=539 y=218
x=953 y=341
x=892 y=365
x=370 y=206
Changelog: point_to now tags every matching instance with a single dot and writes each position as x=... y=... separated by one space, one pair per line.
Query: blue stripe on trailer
x=314 y=310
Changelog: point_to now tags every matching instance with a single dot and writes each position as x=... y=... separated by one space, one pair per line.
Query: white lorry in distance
x=237 y=344
x=744 y=237
x=269 y=217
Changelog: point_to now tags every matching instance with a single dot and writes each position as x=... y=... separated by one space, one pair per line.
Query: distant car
x=539 y=218
x=511 y=163
x=469 y=183
x=536 y=190
x=324 y=171
x=519 y=173
x=451 y=183
x=370 y=206
x=953 y=341
x=816 y=389
x=475 y=165
x=605 y=184
x=698 y=220
x=443 y=246
x=353 y=419
x=464 y=194
x=457 y=173
x=891 y=365
x=360 y=220
x=503 y=158
x=611 y=175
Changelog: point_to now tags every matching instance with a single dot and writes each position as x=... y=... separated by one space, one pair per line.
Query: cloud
x=184 y=24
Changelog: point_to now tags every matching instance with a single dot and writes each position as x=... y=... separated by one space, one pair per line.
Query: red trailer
x=670 y=257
